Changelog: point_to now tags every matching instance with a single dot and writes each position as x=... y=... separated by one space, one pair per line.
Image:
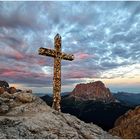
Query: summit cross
x=58 y=56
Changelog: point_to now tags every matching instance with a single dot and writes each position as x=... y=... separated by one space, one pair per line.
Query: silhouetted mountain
x=130 y=99
x=42 y=94
x=48 y=99
x=50 y=94
x=65 y=93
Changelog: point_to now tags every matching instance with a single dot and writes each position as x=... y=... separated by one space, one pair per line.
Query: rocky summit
x=128 y=125
x=25 y=116
x=92 y=91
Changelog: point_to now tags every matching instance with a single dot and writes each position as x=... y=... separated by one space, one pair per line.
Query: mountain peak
x=92 y=91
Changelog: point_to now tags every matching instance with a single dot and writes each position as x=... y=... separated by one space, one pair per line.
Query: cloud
x=103 y=36
x=19 y=15
x=79 y=56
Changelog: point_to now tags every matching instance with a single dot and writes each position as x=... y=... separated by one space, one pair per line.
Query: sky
x=103 y=36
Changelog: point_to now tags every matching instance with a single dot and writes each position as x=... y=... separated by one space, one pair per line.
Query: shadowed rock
x=4 y=84
x=128 y=125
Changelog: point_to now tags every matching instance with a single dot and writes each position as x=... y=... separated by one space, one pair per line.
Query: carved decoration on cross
x=58 y=56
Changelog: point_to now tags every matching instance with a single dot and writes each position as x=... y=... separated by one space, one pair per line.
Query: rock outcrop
x=4 y=84
x=92 y=91
x=12 y=90
x=27 y=91
x=128 y=125
x=4 y=87
x=25 y=116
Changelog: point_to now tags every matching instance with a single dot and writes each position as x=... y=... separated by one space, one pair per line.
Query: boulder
x=19 y=90
x=4 y=84
x=1 y=90
x=18 y=97
x=27 y=91
x=12 y=90
x=6 y=95
x=24 y=97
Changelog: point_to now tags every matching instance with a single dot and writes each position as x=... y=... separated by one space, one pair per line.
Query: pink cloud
x=11 y=53
x=76 y=74
x=82 y=56
x=41 y=62
x=18 y=55
x=18 y=73
x=8 y=73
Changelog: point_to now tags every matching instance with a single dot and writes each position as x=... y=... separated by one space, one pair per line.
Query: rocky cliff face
x=128 y=125
x=92 y=91
x=23 y=115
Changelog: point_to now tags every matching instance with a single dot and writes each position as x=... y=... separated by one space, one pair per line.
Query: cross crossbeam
x=58 y=56
x=52 y=53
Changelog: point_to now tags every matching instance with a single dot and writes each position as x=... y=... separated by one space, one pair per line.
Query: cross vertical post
x=57 y=55
x=57 y=74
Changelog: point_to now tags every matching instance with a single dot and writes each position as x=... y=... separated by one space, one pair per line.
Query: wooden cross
x=58 y=55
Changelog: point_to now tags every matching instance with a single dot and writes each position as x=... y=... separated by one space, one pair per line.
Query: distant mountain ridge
x=131 y=99
x=50 y=94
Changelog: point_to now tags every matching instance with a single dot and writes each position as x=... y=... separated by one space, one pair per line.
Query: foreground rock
x=29 y=117
x=92 y=91
x=128 y=125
